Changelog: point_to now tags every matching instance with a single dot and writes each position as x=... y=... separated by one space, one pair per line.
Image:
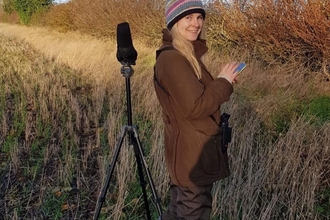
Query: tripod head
x=126 y=70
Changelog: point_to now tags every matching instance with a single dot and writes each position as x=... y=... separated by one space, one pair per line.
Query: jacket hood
x=200 y=47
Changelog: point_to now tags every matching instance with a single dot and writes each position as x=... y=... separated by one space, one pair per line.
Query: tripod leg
x=156 y=199
x=111 y=169
x=142 y=182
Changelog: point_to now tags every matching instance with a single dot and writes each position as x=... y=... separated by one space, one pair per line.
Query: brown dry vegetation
x=279 y=32
x=276 y=32
x=62 y=104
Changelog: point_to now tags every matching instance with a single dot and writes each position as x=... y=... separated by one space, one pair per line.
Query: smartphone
x=240 y=68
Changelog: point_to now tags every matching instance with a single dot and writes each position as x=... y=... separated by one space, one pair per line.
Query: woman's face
x=189 y=27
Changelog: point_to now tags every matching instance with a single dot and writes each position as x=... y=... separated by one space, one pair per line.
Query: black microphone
x=126 y=54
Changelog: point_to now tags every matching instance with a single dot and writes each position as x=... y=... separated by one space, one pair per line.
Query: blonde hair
x=186 y=48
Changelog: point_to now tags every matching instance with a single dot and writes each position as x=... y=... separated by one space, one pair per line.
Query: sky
x=61 y=1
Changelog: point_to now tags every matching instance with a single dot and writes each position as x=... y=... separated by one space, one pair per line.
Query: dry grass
x=80 y=52
x=63 y=104
x=269 y=179
x=68 y=113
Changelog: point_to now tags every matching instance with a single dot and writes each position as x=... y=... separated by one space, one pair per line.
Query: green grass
x=323 y=204
x=317 y=109
x=53 y=204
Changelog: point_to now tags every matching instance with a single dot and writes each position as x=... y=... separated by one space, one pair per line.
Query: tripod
x=127 y=72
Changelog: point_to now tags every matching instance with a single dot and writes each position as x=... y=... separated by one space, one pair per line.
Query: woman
x=190 y=99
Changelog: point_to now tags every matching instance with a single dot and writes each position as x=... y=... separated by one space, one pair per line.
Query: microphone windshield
x=126 y=54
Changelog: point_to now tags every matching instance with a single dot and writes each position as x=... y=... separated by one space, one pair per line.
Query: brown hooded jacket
x=191 y=113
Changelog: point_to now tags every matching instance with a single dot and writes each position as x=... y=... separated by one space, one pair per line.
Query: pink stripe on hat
x=176 y=9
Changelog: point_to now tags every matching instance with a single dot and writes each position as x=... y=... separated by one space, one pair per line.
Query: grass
x=324 y=202
x=62 y=105
x=318 y=108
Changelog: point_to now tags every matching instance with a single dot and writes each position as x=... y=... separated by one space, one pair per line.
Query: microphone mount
x=126 y=70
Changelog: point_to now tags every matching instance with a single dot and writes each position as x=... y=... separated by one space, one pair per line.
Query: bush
x=25 y=8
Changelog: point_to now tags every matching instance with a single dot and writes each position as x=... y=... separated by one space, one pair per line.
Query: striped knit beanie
x=177 y=9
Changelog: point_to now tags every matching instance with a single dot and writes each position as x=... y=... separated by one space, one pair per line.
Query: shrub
x=25 y=8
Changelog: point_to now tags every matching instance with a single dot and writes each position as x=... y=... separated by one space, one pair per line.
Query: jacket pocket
x=212 y=160
x=211 y=155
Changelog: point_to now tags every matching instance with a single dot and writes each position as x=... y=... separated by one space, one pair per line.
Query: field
x=63 y=104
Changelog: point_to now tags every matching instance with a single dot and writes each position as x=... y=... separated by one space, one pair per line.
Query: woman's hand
x=228 y=72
